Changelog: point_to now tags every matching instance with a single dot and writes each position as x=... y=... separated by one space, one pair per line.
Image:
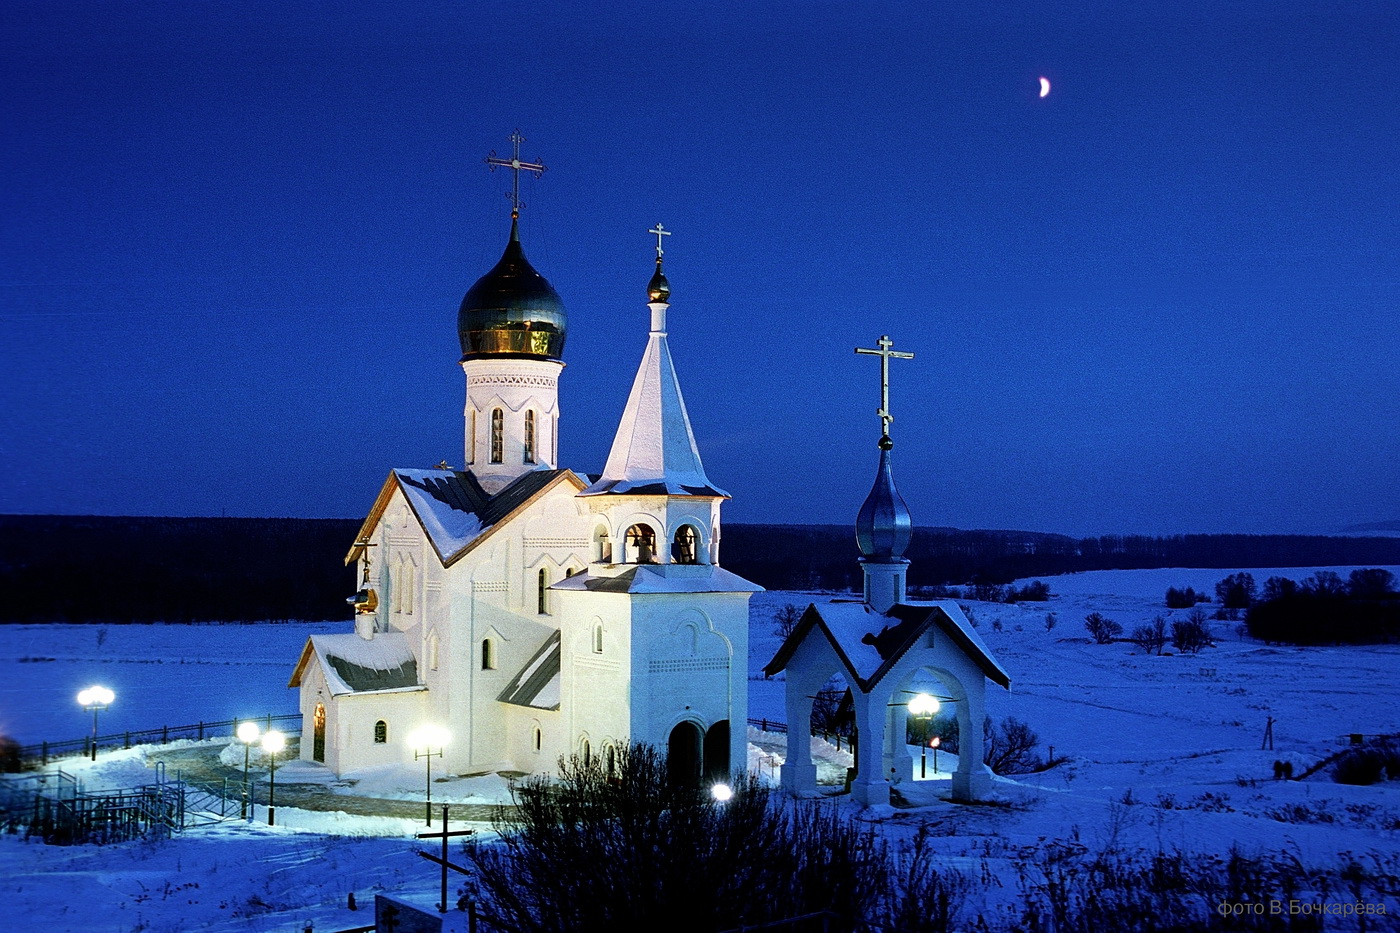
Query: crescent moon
x=1044 y=86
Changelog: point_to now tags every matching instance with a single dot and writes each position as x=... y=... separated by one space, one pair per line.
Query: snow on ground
x=1163 y=752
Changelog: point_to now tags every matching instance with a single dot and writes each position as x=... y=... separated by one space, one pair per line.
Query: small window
x=539 y=738
x=498 y=431
x=570 y=571
x=381 y=732
x=598 y=638
x=641 y=544
x=585 y=753
x=529 y=437
x=433 y=652
x=488 y=655
x=685 y=546
x=544 y=592
x=471 y=438
x=610 y=761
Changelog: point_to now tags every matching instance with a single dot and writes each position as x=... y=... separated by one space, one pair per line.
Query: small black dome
x=512 y=311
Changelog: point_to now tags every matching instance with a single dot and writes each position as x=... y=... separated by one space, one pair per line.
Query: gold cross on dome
x=885 y=354
x=660 y=232
x=516 y=166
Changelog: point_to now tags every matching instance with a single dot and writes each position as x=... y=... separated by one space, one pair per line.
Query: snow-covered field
x=1164 y=752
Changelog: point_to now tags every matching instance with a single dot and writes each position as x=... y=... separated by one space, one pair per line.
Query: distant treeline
x=115 y=569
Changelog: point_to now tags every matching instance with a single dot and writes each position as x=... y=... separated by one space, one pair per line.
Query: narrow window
x=498 y=430
x=488 y=655
x=683 y=547
x=544 y=592
x=539 y=738
x=471 y=439
x=641 y=544
x=570 y=571
x=529 y=437
x=409 y=573
x=610 y=761
x=598 y=638
x=585 y=753
x=433 y=651
x=381 y=732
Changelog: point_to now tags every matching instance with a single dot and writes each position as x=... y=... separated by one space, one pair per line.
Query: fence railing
x=44 y=752
x=768 y=725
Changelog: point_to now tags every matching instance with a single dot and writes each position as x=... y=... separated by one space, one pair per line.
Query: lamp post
x=248 y=733
x=423 y=740
x=272 y=743
x=95 y=699
x=923 y=706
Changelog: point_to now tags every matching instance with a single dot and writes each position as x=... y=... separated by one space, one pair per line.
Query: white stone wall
x=515 y=387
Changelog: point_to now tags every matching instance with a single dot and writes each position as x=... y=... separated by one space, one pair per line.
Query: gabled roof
x=869 y=643
x=654 y=451
x=351 y=664
x=537 y=684
x=649 y=578
x=454 y=510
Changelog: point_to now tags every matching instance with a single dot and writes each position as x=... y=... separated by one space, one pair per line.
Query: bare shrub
x=1103 y=630
x=1051 y=620
x=1190 y=635
x=1151 y=638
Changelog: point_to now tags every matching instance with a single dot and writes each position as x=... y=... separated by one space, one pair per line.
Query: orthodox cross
x=445 y=864
x=516 y=166
x=885 y=354
x=366 y=544
x=660 y=232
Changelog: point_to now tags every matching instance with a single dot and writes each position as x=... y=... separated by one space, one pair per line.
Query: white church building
x=529 y=610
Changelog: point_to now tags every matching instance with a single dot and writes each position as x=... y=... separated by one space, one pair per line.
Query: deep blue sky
x=1162 y=299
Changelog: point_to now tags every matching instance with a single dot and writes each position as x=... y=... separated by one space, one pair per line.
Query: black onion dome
x=658 y=289
x=512 y=311
x=883 y=526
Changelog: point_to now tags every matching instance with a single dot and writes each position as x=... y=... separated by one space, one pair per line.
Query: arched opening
x=641 y=544
x=318 y=733
x=685 y=547
x=585 y=752
x=432 y=651
x=717 y=753
x=544 y=592
x=488 y=655
x=684 y=753
x=602 y=546
x=381 y=732
x=539 y=738
x=597 y=638
x=498 y=432
x=471 y=439
x=529 y=437
x=833 y=721
x=610 y=761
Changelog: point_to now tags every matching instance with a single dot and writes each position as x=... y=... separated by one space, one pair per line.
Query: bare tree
x=1103 y=629
x=786 y=619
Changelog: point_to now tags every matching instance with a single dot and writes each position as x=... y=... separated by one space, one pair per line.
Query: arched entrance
x=717 y=752
x=318 y=734
x=684 y=753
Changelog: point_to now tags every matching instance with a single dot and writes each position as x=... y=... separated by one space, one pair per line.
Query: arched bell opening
x=684 y=755
x=686 y=545
x=641 y=544
x=716 y=753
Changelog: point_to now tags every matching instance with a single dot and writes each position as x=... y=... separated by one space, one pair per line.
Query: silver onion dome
x=883 y=526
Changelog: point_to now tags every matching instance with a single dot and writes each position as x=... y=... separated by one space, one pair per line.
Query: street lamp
x=423 y=740
x=95 y=698
x=247 y=734
x=722 y=793
x=272 y=743
x=923 y=706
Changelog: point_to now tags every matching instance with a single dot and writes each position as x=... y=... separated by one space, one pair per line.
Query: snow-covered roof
x=662 y=578
x=453 y=508
x=870 y=643
x=654 y=451
x=351 y=664
x=537 y=684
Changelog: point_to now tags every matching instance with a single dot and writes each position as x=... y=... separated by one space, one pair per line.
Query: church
x=527 y=610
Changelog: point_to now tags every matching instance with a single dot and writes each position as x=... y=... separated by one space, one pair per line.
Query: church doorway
x=717 y=753
x=684 y=753
x=318 y=733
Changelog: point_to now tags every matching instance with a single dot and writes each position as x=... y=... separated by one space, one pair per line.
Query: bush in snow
x=1190 y=635
x=1151 y=638
x=1184 y=598
x=786 y=619
x=1011 y=747
x=1051 y=620
x=1037 y=591
x=1104 y=630
x=1369 y=764
x=1235 y=591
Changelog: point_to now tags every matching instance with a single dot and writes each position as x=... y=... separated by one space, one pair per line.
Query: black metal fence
x=42 y=753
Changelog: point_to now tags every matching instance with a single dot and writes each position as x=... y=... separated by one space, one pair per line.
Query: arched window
x=488 y=655
x=602 y=546
x=597 y=638
x=610 y=761
x=539 y=738
x=471 y=438
x=685 y=548
x=432 y=651
x=529 y=437
x=498 y=431
x=570 y=571
x=381 y=732
x=641 y=544
x=585 y=752
x=544 y=592
x=409 y=585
